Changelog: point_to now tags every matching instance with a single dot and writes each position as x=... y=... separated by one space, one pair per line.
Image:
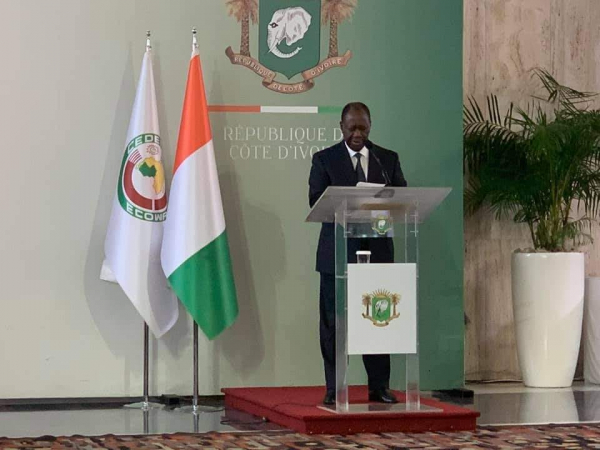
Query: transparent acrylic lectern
x=374 y=213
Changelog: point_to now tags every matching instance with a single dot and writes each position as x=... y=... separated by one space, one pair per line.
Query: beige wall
x=503 y=41
x=67 y=83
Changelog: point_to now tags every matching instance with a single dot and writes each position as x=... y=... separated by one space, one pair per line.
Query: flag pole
x=194 y=39
x=195 y=399
x=146 y=376
x=145 y=405
x=195 y=408
x=146 y=402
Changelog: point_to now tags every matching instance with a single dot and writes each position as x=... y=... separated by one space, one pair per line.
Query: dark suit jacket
x=333 y=167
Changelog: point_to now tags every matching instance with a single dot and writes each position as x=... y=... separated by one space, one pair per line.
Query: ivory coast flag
x=135 y=230
x=195 y=251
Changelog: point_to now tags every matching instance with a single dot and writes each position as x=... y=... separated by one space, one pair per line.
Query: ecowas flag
x=135 y=229
x=195 y=251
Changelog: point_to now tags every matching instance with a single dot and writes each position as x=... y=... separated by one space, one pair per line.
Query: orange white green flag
x=195 y=251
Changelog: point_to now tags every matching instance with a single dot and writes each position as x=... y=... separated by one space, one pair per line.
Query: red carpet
x=296 y=408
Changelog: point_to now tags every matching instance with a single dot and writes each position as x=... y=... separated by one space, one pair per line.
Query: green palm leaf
x=536 y=163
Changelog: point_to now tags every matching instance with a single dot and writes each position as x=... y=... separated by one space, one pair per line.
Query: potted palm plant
x=540 y=165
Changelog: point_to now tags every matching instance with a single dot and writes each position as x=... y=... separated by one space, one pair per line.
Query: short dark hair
x=356 y=106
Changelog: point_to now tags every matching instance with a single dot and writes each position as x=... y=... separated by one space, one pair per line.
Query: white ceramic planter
x=591 y=331
x=547 y=291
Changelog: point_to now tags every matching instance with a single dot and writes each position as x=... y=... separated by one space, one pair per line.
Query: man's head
x=356 y=125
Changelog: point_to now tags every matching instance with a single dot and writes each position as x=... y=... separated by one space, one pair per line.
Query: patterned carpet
x=488 y=437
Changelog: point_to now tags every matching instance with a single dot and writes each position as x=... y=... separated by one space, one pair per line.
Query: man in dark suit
x=345 y=164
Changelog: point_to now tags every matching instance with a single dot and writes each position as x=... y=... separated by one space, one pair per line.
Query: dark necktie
x=360 y=173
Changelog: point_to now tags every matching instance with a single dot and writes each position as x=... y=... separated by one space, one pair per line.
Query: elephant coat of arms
x=289 y=39
x=381 y=307
x=381 y=224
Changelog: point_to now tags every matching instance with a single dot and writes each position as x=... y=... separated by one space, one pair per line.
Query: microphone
x=383 y=171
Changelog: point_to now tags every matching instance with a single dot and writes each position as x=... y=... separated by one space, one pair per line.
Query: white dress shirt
x=364 y=160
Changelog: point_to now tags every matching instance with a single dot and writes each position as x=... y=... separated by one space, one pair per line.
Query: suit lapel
x=374 y=170
x=346 y=166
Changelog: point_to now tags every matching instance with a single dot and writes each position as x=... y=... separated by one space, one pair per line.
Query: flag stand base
x=144 y=406
x=194 y=408
x=198 y=409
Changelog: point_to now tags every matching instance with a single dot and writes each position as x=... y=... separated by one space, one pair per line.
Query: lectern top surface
x=423 y=201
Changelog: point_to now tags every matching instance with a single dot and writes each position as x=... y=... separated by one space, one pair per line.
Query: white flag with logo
x=135 y=230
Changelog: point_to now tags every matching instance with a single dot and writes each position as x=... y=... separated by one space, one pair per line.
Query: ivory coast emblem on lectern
x=289 y=39
x=381 y=224
x=381 y=307
x=141 y=189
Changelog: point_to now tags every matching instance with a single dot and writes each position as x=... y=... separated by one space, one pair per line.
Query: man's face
x=355 y=128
